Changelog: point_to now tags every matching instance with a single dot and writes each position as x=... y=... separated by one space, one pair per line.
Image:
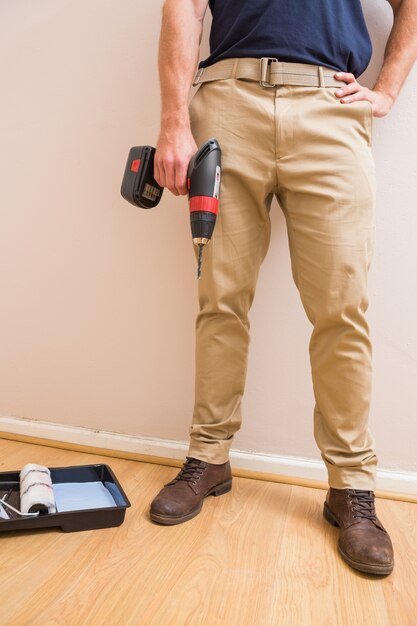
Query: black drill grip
x=204 y=173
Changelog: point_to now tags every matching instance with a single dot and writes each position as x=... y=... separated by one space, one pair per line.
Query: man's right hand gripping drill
x=174 y=150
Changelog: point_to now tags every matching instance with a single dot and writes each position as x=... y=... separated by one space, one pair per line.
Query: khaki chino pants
x=301 y=144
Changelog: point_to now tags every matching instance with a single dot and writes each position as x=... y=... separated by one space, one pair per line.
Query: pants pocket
x=362 y=109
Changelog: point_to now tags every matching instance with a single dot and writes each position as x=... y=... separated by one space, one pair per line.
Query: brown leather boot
x=182 y=498
x=363 y=543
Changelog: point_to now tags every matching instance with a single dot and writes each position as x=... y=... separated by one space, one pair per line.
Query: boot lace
x=190 y=472
x=364 y=504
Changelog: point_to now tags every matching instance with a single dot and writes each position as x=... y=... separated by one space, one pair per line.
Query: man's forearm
x=178 y=56
x=181 y=31
x=400 y=52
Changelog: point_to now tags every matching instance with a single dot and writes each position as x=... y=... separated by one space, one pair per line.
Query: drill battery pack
x=138 y=185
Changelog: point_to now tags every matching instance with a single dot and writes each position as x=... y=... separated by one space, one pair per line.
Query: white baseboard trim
x=394 y=481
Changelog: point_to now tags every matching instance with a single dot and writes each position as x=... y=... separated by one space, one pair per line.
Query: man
x=279 y=92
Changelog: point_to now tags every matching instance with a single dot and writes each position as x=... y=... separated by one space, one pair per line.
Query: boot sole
x=362 y=567
x=167 y=520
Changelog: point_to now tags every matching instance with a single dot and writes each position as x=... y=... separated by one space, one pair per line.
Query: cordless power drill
x=140 y=188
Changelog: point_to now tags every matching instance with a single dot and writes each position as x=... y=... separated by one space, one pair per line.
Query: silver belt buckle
x=264 y=65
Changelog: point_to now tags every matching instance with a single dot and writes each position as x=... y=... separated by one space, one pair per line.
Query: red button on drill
x=135 y=165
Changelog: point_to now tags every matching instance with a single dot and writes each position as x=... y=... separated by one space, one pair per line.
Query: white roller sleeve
x=36 y=492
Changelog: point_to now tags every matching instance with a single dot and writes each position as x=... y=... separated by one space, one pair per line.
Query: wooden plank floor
x=261 y=555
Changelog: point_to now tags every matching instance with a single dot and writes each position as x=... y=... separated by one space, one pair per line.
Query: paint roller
x=36 y=492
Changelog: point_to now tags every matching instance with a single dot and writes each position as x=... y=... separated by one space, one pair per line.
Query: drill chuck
x=200 y=241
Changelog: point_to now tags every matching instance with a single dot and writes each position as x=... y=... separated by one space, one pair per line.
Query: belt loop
x=322 y=82
x=197 y=77
x=234 y=69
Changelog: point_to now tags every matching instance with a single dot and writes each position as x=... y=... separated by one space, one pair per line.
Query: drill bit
x=200 y=259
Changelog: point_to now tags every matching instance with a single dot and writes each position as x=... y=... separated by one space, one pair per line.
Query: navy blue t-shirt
x=332 y=33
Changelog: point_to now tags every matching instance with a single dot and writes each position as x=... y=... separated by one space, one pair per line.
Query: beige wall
x=98 y=298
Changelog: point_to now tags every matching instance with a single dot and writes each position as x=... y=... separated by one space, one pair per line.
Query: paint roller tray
x=92 y=508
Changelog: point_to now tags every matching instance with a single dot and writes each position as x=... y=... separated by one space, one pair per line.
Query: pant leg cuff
x=216 y=452
x=351 y=478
